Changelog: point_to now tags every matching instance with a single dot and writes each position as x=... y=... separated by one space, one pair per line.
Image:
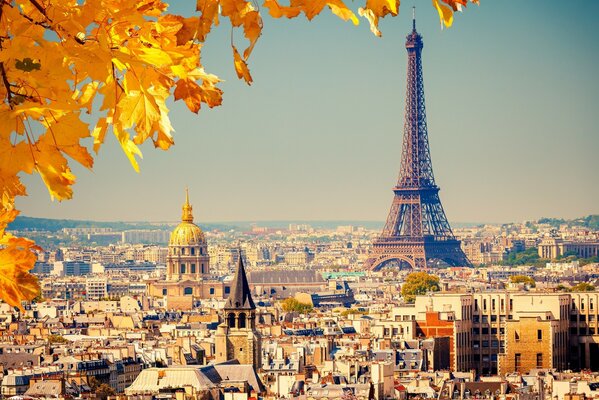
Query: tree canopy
x=74 y=72
x=418 y=283
x=290 y=304
x=527 y=280
x=583 y=287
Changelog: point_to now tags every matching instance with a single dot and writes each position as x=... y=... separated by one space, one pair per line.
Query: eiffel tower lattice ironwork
x=416 y=230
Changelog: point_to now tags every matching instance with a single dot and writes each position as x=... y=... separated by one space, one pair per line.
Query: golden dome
x=187 y=233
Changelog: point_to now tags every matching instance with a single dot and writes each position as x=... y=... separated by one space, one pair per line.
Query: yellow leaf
x=445 y=13
x=66 y=134
x=376 y=9
x=138 y=108
x=130 y=149
x=16 y=259
x=373 y=20
x=241 y=67
x=53 y=168
x=99 y=133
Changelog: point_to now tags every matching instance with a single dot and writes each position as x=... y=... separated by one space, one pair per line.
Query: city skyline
x=526 y=151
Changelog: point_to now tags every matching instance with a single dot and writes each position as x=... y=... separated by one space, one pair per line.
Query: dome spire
x=187 y=215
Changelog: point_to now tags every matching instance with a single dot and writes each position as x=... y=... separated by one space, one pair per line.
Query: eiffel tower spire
x=416 y=230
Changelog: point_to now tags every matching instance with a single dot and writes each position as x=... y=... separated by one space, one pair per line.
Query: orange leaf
x=277 y=11
x=188 y=31
x=241 y=67
x=445 y=13
x=252 y=29
x=208 y=17
x=194 y=95
x=16 y=259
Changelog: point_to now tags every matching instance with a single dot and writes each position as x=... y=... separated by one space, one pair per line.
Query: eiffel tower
x=416 y=233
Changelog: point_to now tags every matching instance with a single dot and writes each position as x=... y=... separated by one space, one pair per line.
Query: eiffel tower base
x=415 y=254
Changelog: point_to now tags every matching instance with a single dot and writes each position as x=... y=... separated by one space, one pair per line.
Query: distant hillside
x=22 y=223
x=590 y=221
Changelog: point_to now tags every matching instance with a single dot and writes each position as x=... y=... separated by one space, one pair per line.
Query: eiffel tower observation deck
x=416 y=233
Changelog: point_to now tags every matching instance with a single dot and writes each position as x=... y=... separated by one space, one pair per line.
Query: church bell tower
x=236 y=336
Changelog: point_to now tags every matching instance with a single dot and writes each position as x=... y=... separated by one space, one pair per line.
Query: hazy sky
x=512 y=97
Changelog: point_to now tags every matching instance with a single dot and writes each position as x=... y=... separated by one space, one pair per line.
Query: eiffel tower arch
x=416 y=233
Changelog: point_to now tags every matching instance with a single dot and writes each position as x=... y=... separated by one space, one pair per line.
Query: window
x=183 y=251
x=201 y=251
x=227 y=289
x=493 y=318
x=485 y=343
x=539 y=360
x=231 y=320
x=484 y=304
x=188 y=291
x=516 y=336
x=211 y=290
x=502 y=304
x=241 y=323
x=193 y=268
x=202 y=266
x=182 y=269
x=591 y=304
x=193 y=251
x=485 y=331
x=539 y=334
x=511 y=304
x=475 y=304
x=493 y=304
x=164 y=292
x=517 y=361
x=582 y=304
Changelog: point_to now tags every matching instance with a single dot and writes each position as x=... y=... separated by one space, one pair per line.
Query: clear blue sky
x=512 y=98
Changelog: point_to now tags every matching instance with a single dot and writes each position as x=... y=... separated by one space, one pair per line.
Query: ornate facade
x=187 y=267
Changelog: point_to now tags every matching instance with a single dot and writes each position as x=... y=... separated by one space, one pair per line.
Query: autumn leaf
x=241 y=67
x=66 y=134
x=445 y=13
x=376 y=9
x=208 y=17
x=194 y=95
x=16 y=259
x=277 y=11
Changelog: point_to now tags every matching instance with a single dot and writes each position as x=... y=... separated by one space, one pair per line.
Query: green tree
x=583 y=287
x=418 y=283
x=527 y=280
x=291 y=304
x=562 y=288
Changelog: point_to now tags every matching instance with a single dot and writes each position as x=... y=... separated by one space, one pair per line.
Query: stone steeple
x=236 y=337
x=240 y=297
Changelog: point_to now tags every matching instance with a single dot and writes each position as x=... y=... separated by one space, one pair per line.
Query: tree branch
x=6 y=84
